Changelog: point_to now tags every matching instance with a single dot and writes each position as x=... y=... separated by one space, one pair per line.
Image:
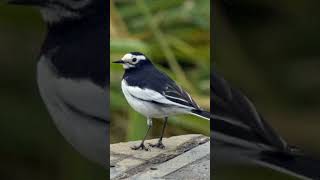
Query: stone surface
x=197 y=170
x=185 y=157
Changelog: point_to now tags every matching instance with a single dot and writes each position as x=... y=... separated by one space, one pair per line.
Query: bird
x=240 y=133
x=72 y=72
x=154 y=94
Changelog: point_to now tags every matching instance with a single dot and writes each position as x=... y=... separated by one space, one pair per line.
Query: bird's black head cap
x=134 y=60
x=137 y=53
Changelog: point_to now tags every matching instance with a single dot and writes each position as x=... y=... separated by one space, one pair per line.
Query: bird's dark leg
x=142 y=146
x=159 y=144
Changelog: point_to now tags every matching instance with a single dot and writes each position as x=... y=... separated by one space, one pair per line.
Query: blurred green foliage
x=175 y=35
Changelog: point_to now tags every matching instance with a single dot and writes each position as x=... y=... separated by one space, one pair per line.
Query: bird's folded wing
x=175 y=93
x=152 y=96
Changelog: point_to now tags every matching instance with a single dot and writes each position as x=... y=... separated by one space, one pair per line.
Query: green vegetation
x=176 y=36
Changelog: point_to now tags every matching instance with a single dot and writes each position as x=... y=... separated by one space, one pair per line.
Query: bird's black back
x=79 y=48
x=145 y=75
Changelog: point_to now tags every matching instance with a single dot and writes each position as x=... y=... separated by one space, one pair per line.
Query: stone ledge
x=181 y=153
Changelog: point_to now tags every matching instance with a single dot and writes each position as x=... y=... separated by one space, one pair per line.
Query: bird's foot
x=141 y=146
x=157 y=145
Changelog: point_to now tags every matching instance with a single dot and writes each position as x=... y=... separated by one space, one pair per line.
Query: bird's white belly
x=148 y=109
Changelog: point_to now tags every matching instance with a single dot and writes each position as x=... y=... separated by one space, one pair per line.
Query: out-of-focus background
x=31 y=147
x=175 y=35
x=271 y=51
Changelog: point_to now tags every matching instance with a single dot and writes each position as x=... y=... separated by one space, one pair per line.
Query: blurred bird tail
x=294 y=164
x=201 y=113
x=237 y=123
x=236 y=118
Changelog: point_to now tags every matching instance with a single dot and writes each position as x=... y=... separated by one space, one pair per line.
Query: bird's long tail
x=238 y=130
x=294 y=164
x=201 y=113
x=291 y=163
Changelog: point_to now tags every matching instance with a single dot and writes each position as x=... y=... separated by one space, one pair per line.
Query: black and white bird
x=153 y=94
x=240 y=133
x=73 y=72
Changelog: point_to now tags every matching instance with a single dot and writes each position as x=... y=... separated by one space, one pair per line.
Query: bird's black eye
x=134 y=59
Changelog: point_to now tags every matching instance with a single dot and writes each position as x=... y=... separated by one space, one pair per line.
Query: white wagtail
x=153 y=94
x=72 y=72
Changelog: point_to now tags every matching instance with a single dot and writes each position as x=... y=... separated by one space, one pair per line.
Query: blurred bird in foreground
x=154 y=94
x=73 y=72
x=239 y=132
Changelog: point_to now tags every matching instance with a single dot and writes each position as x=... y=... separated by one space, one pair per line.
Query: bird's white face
x=131 y=60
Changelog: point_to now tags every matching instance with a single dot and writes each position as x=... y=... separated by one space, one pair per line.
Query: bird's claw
x=141 y=146
x=157 y=145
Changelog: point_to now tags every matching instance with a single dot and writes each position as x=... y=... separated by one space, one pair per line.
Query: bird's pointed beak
x=119 y=62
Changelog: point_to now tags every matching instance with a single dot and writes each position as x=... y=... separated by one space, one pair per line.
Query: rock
x=184 y=157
